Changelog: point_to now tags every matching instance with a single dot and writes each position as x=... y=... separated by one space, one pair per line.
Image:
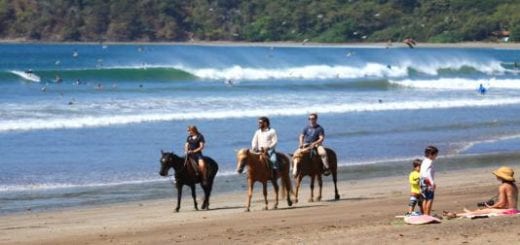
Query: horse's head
x=296 y=159
x=167 y=159
x=242 y=156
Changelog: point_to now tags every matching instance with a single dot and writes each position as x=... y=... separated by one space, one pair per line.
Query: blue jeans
x=272 y=158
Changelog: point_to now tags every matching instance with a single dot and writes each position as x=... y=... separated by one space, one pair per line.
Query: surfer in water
x=481 y=89
x=229 y=82
x=58 y=79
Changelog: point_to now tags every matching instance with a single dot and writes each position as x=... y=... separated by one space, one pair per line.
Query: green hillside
x=260 y=20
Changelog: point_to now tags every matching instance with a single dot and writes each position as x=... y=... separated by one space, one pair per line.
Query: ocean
x=84 y=124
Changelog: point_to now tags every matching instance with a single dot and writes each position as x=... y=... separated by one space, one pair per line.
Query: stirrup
x=326 y=172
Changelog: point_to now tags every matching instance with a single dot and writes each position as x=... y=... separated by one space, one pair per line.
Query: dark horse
x=305 y=163
x=260 y=171
x=186 y=176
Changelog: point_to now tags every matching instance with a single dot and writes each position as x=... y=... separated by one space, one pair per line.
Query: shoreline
x=289 y=44
x=119 y=194
x=365 y=213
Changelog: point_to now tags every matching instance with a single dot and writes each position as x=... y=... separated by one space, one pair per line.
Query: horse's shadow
x=351 y=199
x=299 y=207
x=226 y=208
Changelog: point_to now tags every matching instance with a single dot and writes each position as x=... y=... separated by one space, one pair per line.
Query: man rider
x=312 y=137
x=265 y=140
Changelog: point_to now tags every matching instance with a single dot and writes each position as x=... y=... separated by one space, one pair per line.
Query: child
x=415 y=189
x=427 y=178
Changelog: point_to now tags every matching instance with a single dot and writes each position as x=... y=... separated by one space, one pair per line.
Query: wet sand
x=364 y=214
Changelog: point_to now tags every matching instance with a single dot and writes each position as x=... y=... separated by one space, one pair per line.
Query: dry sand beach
x=364 y=215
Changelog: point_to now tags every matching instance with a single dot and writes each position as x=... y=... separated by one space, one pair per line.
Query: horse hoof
x=176 y=210
x=265 y=208
x=295 y=200
x=247 y=210
x=289 y=203
x=311 y=200
x=336 y=197
x=318 y=199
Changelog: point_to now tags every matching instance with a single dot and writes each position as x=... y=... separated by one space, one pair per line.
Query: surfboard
x=421 y=219
x=27 y=76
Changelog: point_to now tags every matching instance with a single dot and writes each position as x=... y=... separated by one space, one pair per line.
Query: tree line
x=331 y=21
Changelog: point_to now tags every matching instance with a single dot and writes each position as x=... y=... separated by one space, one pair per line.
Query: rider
x=193 y=149
x=265 y=140
x=312 y=136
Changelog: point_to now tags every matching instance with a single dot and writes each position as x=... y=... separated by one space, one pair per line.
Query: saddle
x=264 y=158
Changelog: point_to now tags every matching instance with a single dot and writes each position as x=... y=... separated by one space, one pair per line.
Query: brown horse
x=307 y=164
x=185 y=175
x=259 y=170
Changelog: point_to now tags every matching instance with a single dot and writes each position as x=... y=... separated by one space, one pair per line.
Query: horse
x=307 y=164
x=185 y=175
x=260 y=171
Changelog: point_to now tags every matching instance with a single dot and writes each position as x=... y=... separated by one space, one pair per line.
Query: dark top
x=311 y=134
x=194 y=141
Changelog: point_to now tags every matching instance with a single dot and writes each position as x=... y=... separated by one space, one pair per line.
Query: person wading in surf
x=265 y=140
x=193 y=149
x=311 y=138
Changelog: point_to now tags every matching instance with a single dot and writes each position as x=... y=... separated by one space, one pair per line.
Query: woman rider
x=193 y=148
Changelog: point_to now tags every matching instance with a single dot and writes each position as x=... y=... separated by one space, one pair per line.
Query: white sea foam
x=433 y=65
x=26 y=124
x=52 y=186
x=459 y=83
x=465 y=146
x=304 y=72
x=27 y=76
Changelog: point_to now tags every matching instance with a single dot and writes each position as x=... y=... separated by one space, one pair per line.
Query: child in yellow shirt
x=415 y=189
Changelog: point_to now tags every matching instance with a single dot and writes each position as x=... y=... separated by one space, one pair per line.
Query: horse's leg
x=320 y=185
x=179 y=195
x=207 y=193
x=264 y=185
x=250 y=184
x=276 y=189
x=194 y=195
x=335 y=179
x=311 y=199
x=299 y=179
x=206 y=187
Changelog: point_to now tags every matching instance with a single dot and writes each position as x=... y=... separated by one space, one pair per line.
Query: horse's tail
x=286 y=181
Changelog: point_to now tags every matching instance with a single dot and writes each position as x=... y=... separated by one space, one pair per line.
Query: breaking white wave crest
x=27 y=124
x=321 y=72
x=432 y=66
x=459 y=83
x=304 y=72
x=27 y=76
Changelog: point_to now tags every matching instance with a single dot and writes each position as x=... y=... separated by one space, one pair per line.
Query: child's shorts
x=428 y=195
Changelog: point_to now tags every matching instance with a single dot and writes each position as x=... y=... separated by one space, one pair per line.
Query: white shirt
x=265 y=139
x=427 y=170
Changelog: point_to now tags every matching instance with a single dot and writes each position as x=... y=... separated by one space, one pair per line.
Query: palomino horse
x=260 y=171
x=305 y=163
x=185 y=175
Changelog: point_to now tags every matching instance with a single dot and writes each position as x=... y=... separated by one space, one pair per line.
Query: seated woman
x=507 y=197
